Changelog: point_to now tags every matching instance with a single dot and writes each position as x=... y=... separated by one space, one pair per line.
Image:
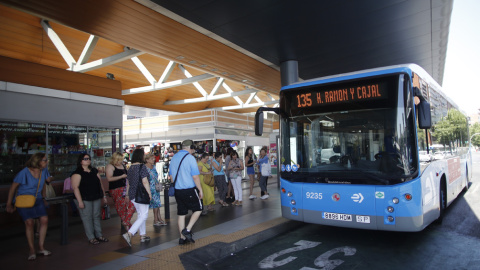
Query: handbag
x=49 y=191
x=27 y=201
x=208 y=178
x=266 y=169
x=158 y=186
x=171 y=191
x=105 y=212
x=141 y=196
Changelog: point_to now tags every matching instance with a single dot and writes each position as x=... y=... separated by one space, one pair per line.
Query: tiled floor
x=225 y=224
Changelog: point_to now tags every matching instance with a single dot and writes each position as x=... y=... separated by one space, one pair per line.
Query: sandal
x=102 y=239
x=93 y=241
x=32 y=257
x=44 y=252
x=162 y=223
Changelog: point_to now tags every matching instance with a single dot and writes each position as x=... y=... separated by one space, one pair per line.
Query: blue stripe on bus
x=354 y=199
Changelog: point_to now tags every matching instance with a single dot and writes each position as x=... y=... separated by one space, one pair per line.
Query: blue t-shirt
x=262 y=160
x=28 y=184
x=189 y=168
x=215 y=172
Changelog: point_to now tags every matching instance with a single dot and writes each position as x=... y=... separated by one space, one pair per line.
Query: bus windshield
x=355 y=132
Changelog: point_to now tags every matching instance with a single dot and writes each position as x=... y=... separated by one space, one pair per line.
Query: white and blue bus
x=350 y=149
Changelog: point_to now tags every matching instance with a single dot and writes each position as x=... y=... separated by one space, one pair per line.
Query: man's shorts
x=188 y=199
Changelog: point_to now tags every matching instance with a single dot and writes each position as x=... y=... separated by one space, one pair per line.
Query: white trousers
x=237 y=188
x=140 y=223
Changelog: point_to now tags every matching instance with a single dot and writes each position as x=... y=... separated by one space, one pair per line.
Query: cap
x=187 y=143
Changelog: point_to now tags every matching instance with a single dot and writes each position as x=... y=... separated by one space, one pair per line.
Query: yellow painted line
x=109 y=256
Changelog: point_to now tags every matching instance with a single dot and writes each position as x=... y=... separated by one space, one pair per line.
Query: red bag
x=105 y=212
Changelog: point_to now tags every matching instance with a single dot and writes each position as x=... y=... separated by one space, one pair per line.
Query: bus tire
x=442 y=199
x=467 y=179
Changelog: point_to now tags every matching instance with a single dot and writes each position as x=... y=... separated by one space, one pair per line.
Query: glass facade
x=62 y=143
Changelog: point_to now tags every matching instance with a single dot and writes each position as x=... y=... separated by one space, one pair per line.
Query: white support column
x=166 y=73
x=144 y=70
x=167 y=85
x=216 y=87
x=250 y=98
x=87 y=51
x=196 y=84
x=244 y=106
x=240 y=102
x=107 y=61
x=67 y=56
x=209 y=98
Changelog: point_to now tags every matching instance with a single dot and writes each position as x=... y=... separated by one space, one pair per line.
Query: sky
x=461 y=79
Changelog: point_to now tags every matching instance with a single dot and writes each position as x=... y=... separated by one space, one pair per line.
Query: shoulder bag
x=171 y=191
x=49 y=191
x=208 y=178
x=27 y=201
x=141 y=196
x=266 y=169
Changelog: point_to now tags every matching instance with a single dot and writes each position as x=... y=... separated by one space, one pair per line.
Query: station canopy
x=190 y=55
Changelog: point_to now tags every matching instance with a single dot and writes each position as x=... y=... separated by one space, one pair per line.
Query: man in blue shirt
x=188 y=190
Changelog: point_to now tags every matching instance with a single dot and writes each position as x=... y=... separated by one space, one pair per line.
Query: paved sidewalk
x=79 y=254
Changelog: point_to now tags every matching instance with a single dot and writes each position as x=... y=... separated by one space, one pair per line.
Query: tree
x=475 y=129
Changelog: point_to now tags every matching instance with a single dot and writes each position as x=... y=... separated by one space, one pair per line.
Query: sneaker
x=204 y=212
x=126 y=236
x=264 y=197
x=188 y=235
x=144 y=239
x=182 y=241
x=252 y=197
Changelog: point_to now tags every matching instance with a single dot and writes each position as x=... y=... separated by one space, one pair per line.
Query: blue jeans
x=263 y=184
x=91 y=218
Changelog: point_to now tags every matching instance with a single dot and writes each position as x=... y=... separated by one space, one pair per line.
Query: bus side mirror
x=259 y=118
x=259 y=122
x=424 y=115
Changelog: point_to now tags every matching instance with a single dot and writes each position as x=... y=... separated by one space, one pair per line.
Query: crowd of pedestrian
x=137 y=188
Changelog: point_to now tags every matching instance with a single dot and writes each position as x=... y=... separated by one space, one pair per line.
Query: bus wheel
x=443 y=200
x=466 y=179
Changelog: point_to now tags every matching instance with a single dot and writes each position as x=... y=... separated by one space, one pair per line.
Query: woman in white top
x=235 y=168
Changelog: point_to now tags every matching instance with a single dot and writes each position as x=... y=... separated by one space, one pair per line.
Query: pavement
x=220 y=233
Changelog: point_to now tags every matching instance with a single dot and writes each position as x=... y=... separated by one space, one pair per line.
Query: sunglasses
x=87 y=158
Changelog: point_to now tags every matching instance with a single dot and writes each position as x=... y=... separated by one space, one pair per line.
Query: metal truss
x=82 y=65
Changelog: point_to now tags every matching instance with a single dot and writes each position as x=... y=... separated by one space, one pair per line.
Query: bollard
x=64 y=228
x=166 y=202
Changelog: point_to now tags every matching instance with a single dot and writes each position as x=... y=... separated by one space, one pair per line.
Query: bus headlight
x=289 y=194
x=395 y=200
x=294 y=210
x=390 y=209
x=293 y=202
x=390 y=218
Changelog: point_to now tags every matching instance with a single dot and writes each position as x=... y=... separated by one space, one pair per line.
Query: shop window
x=18 y=142
x=102 y=142
x=65 y=143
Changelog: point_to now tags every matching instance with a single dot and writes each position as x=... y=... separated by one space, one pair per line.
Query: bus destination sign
x=351 y=94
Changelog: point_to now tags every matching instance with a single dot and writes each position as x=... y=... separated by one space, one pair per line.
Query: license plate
x=363 y=219
x=335 y=216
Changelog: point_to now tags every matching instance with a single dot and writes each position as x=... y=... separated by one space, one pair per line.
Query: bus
x=350 y=145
